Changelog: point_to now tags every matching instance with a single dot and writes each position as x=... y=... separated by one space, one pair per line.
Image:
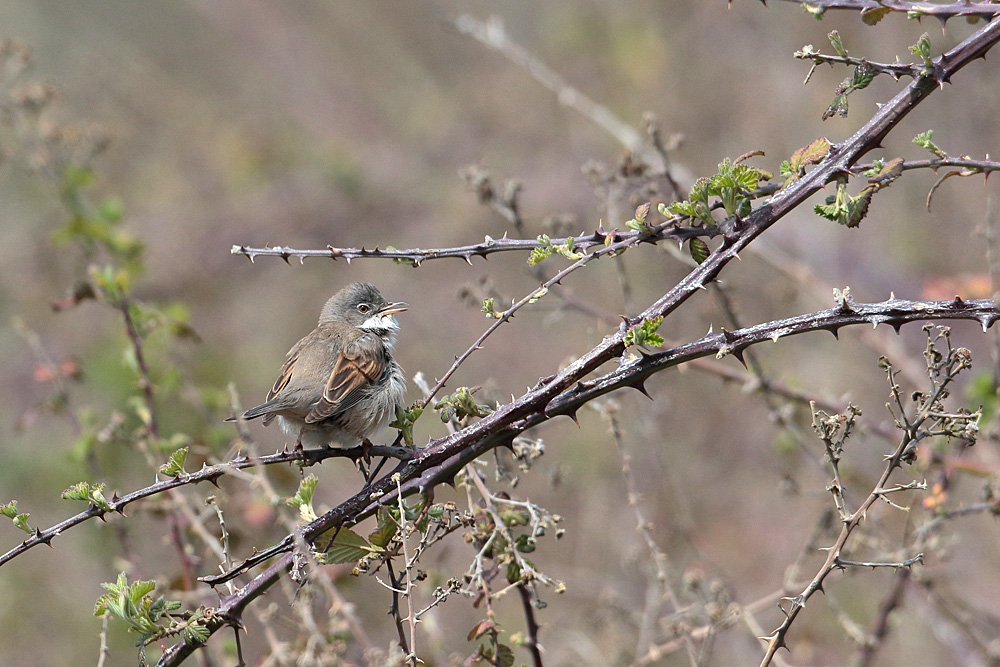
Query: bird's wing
x=286 y=372
x=274 y=402
x=361 y=363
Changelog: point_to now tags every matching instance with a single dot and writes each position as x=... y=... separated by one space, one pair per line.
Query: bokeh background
x=305 y=124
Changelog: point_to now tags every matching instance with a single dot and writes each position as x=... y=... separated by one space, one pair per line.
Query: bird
x=340 y=383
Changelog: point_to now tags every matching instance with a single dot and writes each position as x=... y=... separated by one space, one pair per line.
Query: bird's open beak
x=392 y=308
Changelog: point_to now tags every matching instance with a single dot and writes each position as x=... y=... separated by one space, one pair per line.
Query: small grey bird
x=340 y=383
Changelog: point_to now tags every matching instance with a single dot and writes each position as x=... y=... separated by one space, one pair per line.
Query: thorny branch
x=943 y=366
x=941 y=11
x=443 y=458
x=667 y=230
x=563 y=393
x=306 y=457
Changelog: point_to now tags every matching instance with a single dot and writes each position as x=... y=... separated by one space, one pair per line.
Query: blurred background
x=307 y=124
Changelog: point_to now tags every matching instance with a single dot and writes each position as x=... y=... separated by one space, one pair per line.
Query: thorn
x=467 y=259
x=874 y=324
x=835 y=333
x=640 y=386
x=897 y=325
x=737 y=256
x=739 y=357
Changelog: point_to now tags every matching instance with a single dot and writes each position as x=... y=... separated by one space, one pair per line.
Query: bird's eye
x=364 y=308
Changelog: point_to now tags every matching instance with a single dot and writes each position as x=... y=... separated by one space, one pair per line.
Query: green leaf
x=873 y=15
x=489 y=309
x=93 y=494
x=461 y=405
x=923 y=49
x=811 y=154
x=348 y=547
x=699 y=250
x=387 y=528
x=886 y=173
x=644 y=333
x=863 y=75
x=405 y=419
x=641 y=212
x=837 y=43
x=566 y=250
x=174 y=467
x=303 y=498
x=542 y=252
x=9 y=510
x=20 y=520
x=924 y=141
x=844 y=209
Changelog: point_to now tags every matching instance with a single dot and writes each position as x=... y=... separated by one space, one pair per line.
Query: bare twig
x=491 y=33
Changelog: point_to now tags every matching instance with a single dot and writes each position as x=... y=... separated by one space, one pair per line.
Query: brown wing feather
x=283 y=378
x=361 y=363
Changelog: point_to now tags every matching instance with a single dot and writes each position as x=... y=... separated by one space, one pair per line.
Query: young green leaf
x=405 y=419
x=837 y=44
x=20 y=520
x=644 y=333
x=924 y=141
x=923 y=49
x=303 y=498
x=174 y=467
x=93 y=494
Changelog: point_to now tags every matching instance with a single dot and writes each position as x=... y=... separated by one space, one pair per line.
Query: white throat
x=384 y=326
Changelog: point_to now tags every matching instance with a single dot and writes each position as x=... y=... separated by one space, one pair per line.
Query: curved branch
x=441 y=459
x=306 y=457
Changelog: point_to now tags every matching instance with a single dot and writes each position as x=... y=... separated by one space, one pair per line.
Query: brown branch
x=942 y=11
x=416 y=256
x=444 y=457
x=306 y=457
x=532 y=626
x=564 y=392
